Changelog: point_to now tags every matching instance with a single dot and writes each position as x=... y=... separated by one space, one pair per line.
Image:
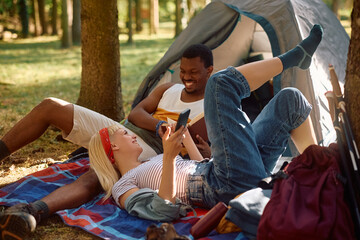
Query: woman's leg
x=237 y=162
x=257 y=73
x=287 y=112
x=304 y=135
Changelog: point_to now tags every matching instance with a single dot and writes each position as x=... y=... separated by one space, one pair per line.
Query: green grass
x=33 y=69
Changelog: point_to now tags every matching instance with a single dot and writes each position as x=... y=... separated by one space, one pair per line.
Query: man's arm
x=141 y=114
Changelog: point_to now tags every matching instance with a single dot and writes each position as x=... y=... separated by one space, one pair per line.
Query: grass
x=33 y=69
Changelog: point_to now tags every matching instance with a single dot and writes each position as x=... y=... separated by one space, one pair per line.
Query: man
x=78 y=124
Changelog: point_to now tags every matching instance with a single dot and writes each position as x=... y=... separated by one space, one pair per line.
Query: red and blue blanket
x=103 y=219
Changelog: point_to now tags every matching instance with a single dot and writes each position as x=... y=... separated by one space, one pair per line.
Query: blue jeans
x=243 y=153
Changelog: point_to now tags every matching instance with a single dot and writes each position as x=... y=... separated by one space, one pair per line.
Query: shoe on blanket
x=18 y=221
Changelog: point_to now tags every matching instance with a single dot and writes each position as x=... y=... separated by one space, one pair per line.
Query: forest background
x=40 y=56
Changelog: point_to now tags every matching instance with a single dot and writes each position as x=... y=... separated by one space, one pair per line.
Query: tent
x=238 y=30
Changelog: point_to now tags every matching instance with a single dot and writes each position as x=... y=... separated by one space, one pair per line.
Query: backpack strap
x=268 y=182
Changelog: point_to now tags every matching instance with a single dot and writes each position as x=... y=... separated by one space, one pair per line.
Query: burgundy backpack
x=309 y=203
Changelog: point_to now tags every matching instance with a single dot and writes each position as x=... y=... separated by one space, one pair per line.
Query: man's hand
x=203 y=147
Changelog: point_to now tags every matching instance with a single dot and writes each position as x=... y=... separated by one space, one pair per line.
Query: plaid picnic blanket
x=103 y=219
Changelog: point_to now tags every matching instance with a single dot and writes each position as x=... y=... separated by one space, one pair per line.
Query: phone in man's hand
x=183 y=118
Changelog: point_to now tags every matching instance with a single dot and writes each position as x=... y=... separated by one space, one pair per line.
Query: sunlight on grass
x=33 y=69
x=136 y=61
x=38 y=68
x=347 y=26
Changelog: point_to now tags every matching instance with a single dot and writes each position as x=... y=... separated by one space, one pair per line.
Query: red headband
x=104 y=135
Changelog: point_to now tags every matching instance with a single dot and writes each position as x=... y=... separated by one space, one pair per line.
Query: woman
x=243 y=153
x=114 y=154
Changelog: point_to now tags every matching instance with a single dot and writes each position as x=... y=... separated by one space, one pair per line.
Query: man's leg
x=21 y=219
x=25 y=216
x=73 y=195
x=50 y=111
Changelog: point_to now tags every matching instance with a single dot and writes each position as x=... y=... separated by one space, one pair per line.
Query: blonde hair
x=106 y=172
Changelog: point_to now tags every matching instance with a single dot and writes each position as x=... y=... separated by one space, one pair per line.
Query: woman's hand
x=172 y=144
x=172 y=141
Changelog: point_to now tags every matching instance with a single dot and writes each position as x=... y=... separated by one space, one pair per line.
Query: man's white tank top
x=170 y=105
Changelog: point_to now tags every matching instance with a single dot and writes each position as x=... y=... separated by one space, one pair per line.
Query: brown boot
x=19 y=220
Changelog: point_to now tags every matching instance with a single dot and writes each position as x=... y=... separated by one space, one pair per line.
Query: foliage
x=6 y=4
x=166 y=10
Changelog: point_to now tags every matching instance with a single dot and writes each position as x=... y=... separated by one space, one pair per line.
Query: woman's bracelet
x=158 y=126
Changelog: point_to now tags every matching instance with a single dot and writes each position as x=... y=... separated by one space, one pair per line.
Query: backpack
x=309 y=202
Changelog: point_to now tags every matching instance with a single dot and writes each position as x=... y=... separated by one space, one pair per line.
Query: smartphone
x=183 y=118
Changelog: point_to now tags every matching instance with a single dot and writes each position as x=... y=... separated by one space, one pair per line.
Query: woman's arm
x=123 y=197
x=172 y=145
x=192 y=149
x=146 y=203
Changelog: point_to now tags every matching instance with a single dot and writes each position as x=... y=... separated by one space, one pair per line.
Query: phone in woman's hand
x=183 y=118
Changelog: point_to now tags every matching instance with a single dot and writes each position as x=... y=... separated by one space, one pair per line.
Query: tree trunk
x=348 y=4
x=153 y=16
x=130 y=22
x=352 y=83
x=24 y=18
x=34 y=16
x=100 y=79
x=66 y=36
x=180 y=20
x=178 y=17
x=12 y=8
x=42 y=16
x=191 y=9
x=76 y=26
x=54 y=17
x=138 y=20
x=335 y=7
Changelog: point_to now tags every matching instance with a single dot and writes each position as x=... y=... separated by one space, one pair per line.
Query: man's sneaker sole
x=15 y=226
